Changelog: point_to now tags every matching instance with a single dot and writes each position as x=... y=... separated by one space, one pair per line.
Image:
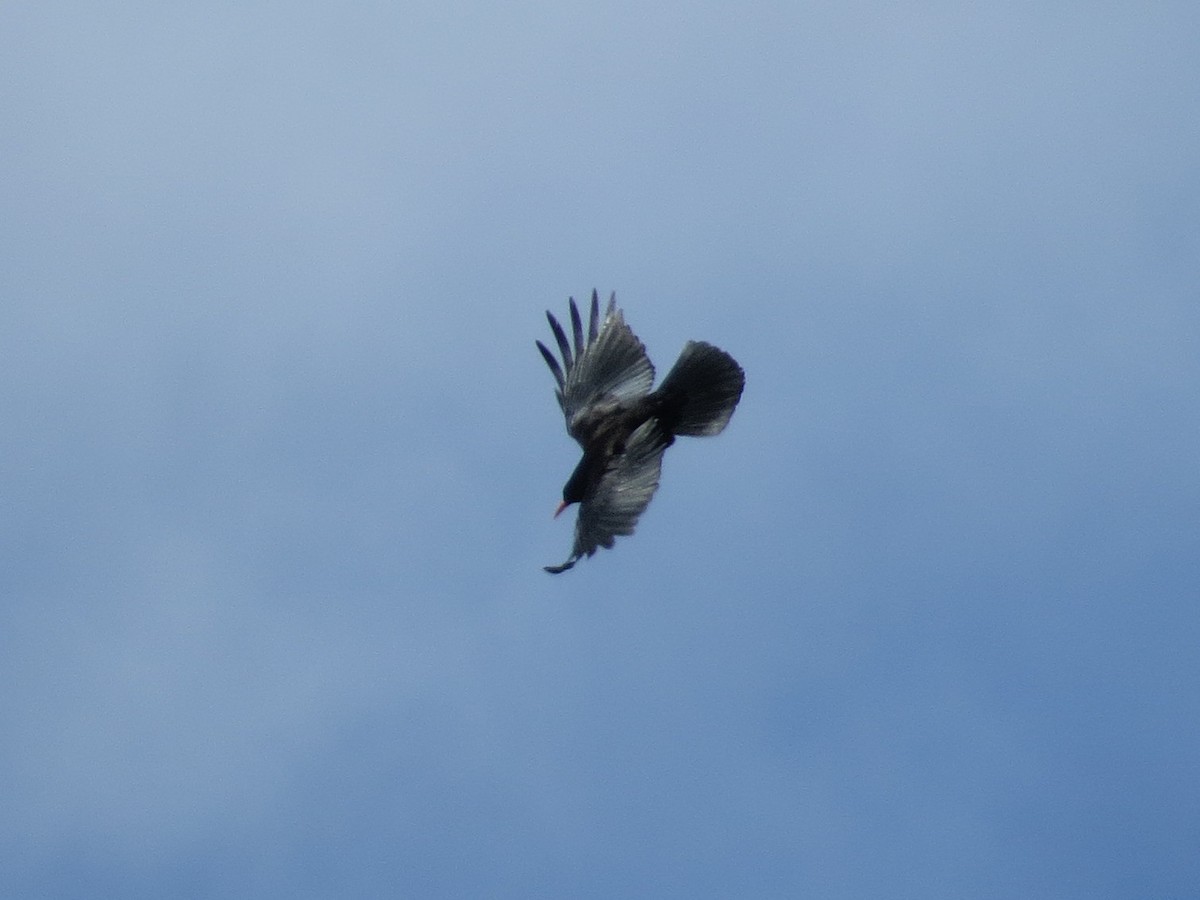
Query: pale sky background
x=279 y=455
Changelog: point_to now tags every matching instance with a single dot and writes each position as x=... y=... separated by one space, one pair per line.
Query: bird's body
x=623 y=426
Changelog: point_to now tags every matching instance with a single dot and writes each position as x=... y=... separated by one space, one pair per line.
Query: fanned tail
x=701 y=391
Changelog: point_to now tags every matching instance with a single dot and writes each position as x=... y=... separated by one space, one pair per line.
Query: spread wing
x=610 y=367
x=622 y=495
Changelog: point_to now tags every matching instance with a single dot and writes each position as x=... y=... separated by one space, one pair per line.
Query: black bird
x=623 y=426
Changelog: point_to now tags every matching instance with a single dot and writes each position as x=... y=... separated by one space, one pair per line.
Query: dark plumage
x=623 y=427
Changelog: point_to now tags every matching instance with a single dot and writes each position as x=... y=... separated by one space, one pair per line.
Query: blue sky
x=279 y=453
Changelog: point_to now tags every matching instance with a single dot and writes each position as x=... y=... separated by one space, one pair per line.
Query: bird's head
x=573 y=490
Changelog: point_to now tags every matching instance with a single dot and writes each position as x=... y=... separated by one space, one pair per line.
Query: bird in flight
x=604 y=389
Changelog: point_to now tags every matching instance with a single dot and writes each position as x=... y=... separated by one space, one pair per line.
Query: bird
x=604 y=390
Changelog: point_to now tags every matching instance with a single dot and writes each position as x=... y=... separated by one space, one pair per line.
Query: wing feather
x=594 y=317
x=563 y=347
x=555 y=369
x=576 y=329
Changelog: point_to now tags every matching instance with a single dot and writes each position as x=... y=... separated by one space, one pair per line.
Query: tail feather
x=702 y=390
